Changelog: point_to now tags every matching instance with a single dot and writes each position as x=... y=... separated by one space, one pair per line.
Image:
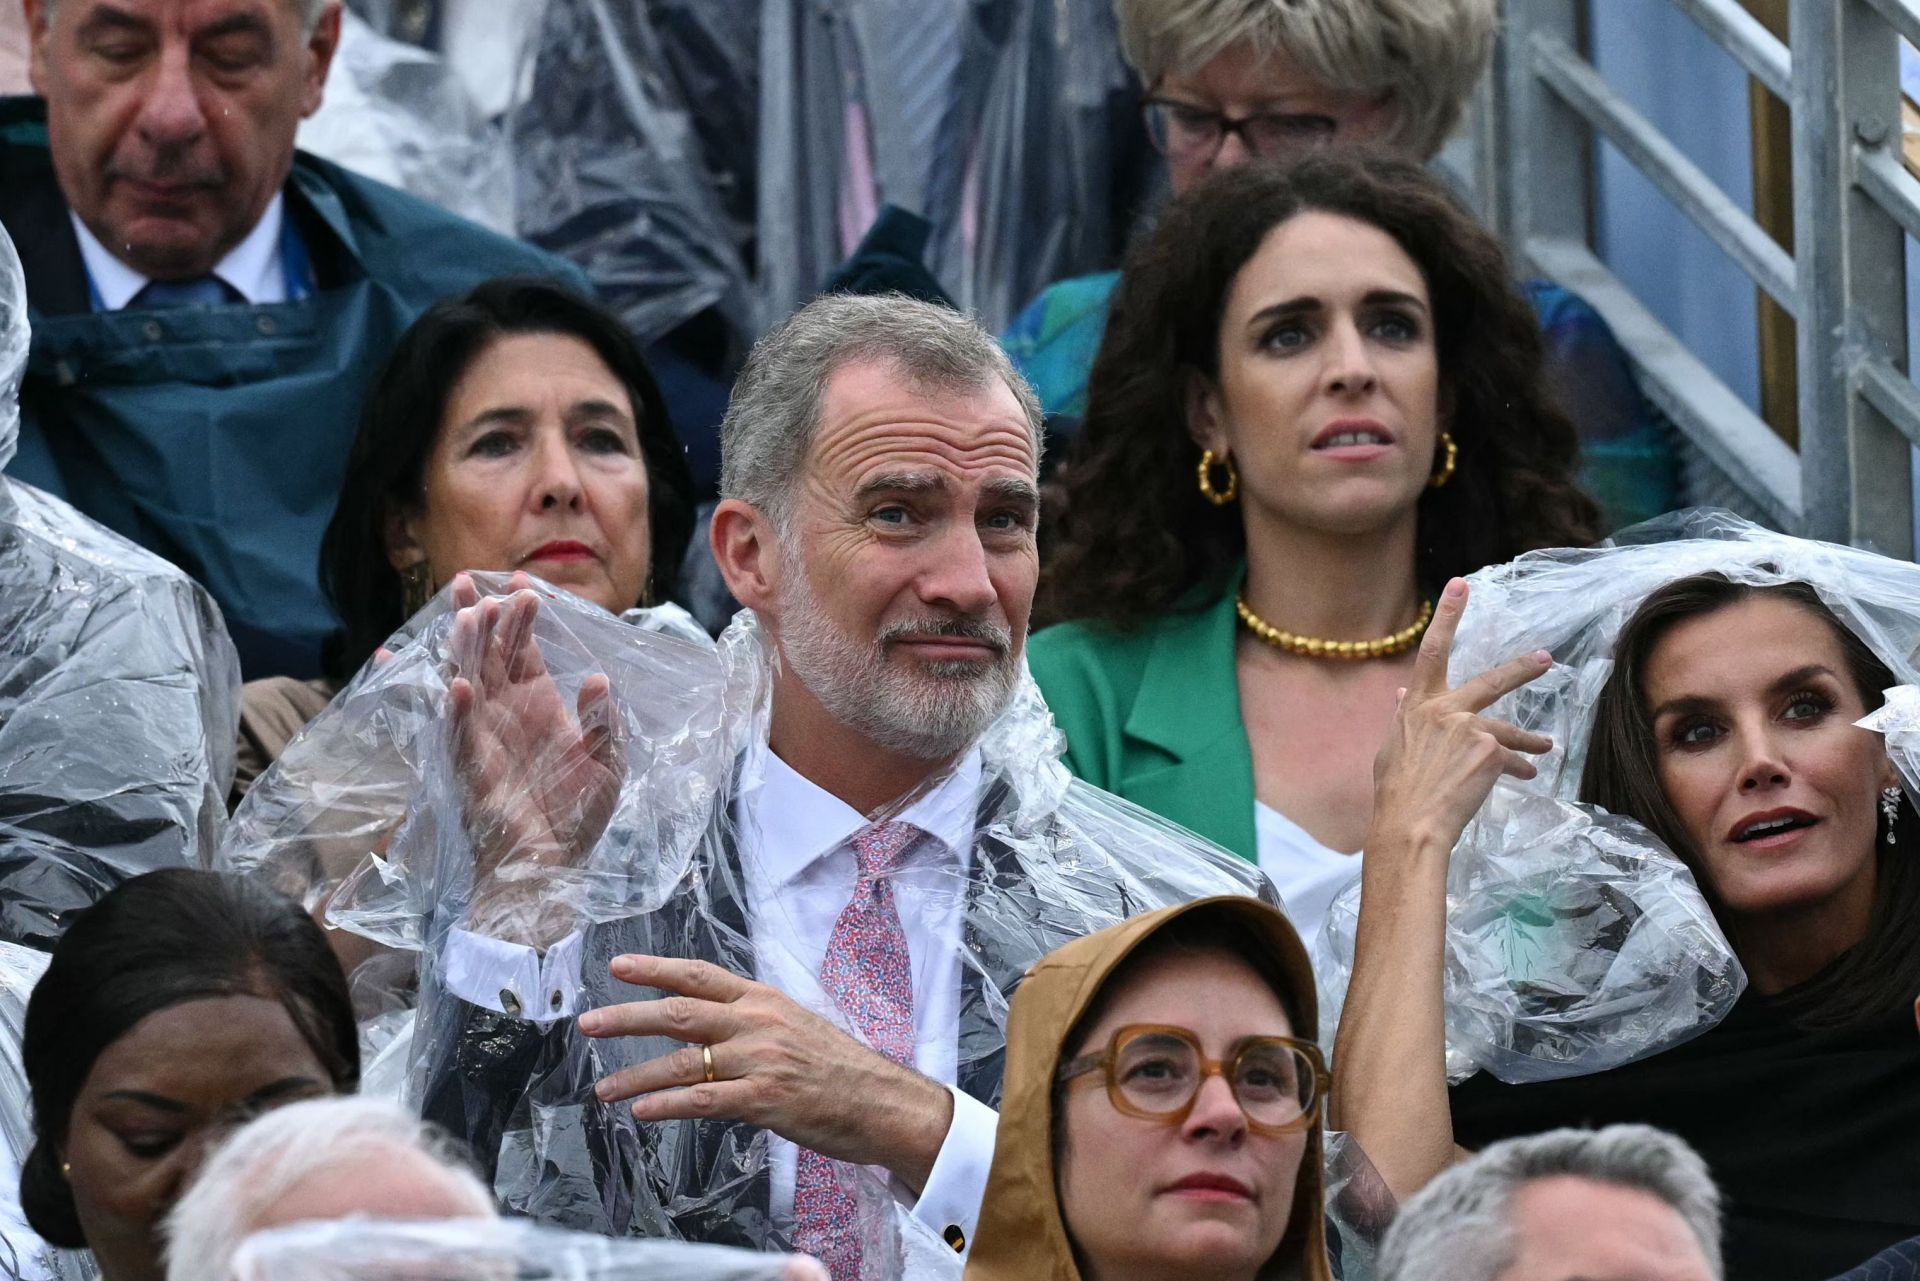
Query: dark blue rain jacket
x=218 y=436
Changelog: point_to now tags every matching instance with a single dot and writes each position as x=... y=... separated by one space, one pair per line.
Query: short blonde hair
x=1427 y=54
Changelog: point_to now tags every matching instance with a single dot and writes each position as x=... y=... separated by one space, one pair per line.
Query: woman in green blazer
x=1318 y=399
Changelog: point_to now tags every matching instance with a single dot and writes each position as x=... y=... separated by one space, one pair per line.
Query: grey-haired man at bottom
x=1625 y=1203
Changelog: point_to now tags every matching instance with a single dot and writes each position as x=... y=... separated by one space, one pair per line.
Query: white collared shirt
x=255 y=267
x=799 y=872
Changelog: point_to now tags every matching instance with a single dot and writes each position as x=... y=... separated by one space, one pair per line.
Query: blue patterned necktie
x=201 y=291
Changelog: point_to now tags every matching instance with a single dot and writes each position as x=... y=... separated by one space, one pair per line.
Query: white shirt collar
x=253 y=267
x=798 y=822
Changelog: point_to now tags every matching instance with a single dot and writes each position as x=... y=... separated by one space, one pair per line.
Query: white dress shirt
x=255 y=267
x=799 y=872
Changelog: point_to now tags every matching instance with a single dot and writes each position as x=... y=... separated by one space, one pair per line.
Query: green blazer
x=1154 y=715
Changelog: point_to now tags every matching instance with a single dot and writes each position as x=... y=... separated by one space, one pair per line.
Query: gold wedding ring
x=706 y=1057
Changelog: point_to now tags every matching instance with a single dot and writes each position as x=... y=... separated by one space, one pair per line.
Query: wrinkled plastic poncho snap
x=491 y=1250
x=1576 y=940
x=23 y=1255
x=1052 y=859
x=119 y=693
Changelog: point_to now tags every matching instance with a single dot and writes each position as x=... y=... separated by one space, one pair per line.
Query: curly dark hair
x=1134 y=538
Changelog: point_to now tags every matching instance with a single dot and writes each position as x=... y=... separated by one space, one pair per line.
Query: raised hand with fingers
x=1441 y=758
x=1442 y=754
x=540 y=776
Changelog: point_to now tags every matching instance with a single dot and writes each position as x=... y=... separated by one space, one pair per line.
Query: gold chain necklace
x=1351 y=651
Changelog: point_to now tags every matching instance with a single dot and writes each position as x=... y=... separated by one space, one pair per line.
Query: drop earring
x=1890 y=807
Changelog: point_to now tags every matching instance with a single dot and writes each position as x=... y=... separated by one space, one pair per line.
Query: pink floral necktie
x=869 y=976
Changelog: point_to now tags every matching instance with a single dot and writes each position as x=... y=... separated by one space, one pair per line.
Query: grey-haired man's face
x=1573 y=1229
x=910 y=560
x=172 y=122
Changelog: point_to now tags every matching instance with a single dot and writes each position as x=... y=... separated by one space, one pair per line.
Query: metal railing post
x=1849 y=252
x=1543 y=165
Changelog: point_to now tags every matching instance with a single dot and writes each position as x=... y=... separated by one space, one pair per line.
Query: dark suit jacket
x=522 y=1095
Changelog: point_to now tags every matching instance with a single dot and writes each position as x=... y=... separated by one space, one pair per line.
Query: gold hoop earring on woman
x=1452 y=461
x=1222 y=496
x=416 y=587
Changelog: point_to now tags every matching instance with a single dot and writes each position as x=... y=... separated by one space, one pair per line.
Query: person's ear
x=321 y=46
x=1206 y=415
x=400 y=532
x=746 y=547
x=39 y=32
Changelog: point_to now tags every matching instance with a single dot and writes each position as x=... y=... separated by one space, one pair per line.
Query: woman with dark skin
x=1727 y=726
x=1318 y=399
x=173 y=1009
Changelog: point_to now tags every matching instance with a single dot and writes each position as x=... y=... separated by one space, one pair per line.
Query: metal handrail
x=1902 y=16
x=1746 y=38
x=1855 y=203
x=1584 y=89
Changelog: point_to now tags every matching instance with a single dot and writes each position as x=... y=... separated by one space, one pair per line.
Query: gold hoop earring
x=416 y=587
x=1447 y=467
x=1218 y=497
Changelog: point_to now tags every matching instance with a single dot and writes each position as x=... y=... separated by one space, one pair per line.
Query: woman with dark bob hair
x=1728 y=725
x=514 y=428
x=179 y=1005
x=1318 y=399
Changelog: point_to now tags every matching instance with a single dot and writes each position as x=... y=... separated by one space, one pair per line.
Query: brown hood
x=1020 y=1236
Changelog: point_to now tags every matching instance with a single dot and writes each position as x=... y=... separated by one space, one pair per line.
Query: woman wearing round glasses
x=1229 y=81
x=1175 y=1128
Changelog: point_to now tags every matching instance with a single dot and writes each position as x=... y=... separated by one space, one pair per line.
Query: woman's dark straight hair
x=1132 y=536
x=1622 y=774
x=154 y=942
x=401 y=420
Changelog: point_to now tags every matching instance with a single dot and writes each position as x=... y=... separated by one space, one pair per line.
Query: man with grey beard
x=882 y=869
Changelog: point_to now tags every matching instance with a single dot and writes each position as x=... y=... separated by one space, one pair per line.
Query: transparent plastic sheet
x=1360 y=1206
x=498 y=1250
x=318 y=823
x=23 y=1255
x=627 y=149
x=1052 y=859
x=1576 y=940
x=400 y=114
x=119 y=693
x=973 y=107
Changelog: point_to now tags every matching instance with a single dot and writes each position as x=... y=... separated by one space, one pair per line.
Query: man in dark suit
x=879 y=865
x=208 y=304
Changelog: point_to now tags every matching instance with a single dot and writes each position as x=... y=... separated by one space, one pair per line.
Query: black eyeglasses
x=1183 y=131
x=1155 y=1072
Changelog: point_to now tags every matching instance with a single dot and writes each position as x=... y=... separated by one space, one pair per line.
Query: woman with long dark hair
x=1318 y=399
x=516 y=427
x=173 y=1009
x=1727 y=725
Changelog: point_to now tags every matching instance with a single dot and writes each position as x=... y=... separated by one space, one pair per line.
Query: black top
x=1814 y=1138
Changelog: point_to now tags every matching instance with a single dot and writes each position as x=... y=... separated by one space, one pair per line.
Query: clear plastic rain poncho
x=491 y=1250
x=399 y=114
x=1576 y=941
x=1052 y=859
x=119 y=693
x=729 y=154
x=23 y=1255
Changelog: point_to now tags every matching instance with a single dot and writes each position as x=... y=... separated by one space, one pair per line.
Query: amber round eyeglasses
x=1155 y=1072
